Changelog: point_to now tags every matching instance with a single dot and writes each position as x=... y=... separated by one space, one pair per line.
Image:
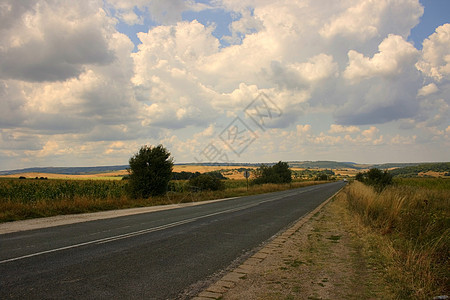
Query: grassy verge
x=412 y=218
x=26 y=199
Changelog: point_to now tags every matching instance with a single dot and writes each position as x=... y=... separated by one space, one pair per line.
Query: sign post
x=247 y=175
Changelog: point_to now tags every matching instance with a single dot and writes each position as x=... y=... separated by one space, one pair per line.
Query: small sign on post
x=247 y=175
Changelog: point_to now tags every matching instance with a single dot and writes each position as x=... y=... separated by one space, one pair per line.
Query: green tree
x=375 y=177
x=150 y=171
x=322 y=176
x=278 y=173
x=360 y=177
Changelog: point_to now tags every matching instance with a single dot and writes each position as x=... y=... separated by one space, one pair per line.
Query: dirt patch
x=327 y=258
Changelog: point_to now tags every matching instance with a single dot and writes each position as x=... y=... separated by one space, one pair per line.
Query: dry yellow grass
x=414 y=220
x=432 y=174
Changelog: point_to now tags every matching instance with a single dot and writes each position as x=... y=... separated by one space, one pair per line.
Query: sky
x=87 y=83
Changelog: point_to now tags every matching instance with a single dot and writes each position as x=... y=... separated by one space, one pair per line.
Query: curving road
x=160 y=255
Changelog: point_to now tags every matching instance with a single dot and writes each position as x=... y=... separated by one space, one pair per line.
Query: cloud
x=403 y=140
x=435 y=61
x=382 y=88
x=394 y=55
x=162 y=12
x=334 y=128
x=303 y=129
x=165 y=75
x=246 y=24
x=12 y=112
x=55 y=43
x=428 y=90
x=70 y=81
x=368 y=19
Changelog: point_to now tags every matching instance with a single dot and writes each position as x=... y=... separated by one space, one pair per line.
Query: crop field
x=23 y=199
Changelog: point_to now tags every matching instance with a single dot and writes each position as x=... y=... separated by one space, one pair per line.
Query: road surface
x=161 y=255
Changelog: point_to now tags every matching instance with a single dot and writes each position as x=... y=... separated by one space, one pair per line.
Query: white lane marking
x=139 y=232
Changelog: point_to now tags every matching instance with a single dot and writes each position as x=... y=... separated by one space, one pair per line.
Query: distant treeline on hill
x=413 y=171
x=403 y=168
x=67 y=170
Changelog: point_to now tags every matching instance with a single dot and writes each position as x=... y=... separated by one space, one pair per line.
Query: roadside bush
x=150 y=172
x=206 y=182
x=278 y=173
x=183 y=175
x=322 y=176
x=376 y=178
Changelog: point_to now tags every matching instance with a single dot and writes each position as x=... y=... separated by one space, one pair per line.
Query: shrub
x=376 y=178
x=322 y=176
x=278 y=173
x=150 y=171
x=183 y=175
x=206 y=182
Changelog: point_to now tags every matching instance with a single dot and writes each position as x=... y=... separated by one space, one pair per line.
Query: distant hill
x=412 y=168
x=66 y=170
x=323 y=165
x=413 y=171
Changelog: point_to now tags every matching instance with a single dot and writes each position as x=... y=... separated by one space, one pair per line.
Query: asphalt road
x=160 y=255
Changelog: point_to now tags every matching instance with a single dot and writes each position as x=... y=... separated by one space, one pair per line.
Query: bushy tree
x=322 y=176
x=360 y=177
x=150 y=171
x=375 y=177
x=206 y=182
x=278 y=173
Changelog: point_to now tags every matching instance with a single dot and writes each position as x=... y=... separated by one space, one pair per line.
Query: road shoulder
x=323 y=256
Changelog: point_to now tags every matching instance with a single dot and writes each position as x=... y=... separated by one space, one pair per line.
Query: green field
x=427 y=183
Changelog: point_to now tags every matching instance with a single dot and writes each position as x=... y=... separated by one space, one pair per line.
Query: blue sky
x=224 y=81
x=436 y=13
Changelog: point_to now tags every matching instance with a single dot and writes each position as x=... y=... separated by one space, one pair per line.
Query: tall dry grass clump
x=416 y=219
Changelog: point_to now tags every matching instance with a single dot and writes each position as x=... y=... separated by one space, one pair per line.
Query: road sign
x=247 y=175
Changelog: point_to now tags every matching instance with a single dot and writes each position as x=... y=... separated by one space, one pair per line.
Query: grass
x=25 y=199
x=428 y=183
x=413 y=216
